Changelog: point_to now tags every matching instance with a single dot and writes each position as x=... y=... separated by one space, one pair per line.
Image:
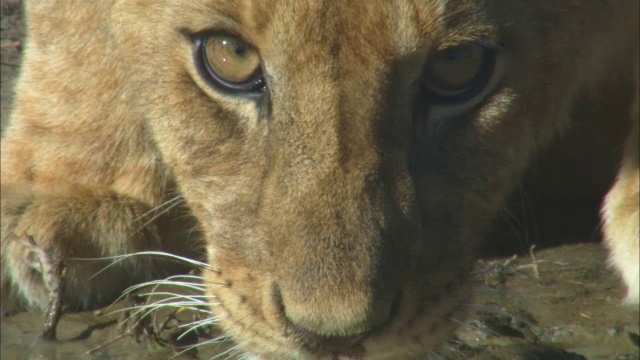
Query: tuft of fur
x=621 y=209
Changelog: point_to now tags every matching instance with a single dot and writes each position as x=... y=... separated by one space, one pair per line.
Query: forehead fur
x=379 y=26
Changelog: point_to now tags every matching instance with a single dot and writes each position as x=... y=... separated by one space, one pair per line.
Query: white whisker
x=215 y=341
x=159 y=207
x=155 y=216
x=156 y=283
x=195 y=325
x=230 y=353
x=146 y=309
x=119 y=258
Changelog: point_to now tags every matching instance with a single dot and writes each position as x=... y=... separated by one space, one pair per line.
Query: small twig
x=510 y=261
x=12 y=44
x=164 y=325
x=534 y=260
x=108 y=342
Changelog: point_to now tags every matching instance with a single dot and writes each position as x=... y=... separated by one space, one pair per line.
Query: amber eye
x=230 y=62
x=459 y=73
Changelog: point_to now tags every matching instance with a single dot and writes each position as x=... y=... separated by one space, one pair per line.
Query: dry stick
x=510 y=261
x=534 y=260
x=13 y=44
x=127 y=332
x=108 y=342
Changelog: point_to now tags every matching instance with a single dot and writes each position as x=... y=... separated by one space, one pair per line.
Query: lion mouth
x=417 y=326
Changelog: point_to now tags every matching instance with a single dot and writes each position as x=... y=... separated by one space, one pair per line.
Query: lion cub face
x=342 y=158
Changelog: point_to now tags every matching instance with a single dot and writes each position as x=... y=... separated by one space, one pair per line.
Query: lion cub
x=335 y=164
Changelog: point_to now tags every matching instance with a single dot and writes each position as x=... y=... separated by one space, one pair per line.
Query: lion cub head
x=336 y=157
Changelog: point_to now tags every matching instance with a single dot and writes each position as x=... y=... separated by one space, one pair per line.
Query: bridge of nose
x=335 y=176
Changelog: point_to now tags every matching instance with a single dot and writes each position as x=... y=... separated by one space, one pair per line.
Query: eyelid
x=228 y=28
x=461 y=41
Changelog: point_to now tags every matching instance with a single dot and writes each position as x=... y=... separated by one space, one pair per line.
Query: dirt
x=573 y=304
x=571 y=311
x=559 y=303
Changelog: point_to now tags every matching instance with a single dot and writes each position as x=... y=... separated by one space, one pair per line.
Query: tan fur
x=622 y=208
x=321 y=239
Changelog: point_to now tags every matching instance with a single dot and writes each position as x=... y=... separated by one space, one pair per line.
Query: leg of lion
x=622 y=214
x=75 y=229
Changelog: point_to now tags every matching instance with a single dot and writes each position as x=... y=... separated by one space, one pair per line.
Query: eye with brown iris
x=230 y=63
x=457 y=74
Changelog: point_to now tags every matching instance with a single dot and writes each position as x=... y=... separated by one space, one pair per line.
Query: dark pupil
x=240 y=50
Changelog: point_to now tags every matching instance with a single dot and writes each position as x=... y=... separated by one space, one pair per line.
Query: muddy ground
x=561 y=303
x=570 y=311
